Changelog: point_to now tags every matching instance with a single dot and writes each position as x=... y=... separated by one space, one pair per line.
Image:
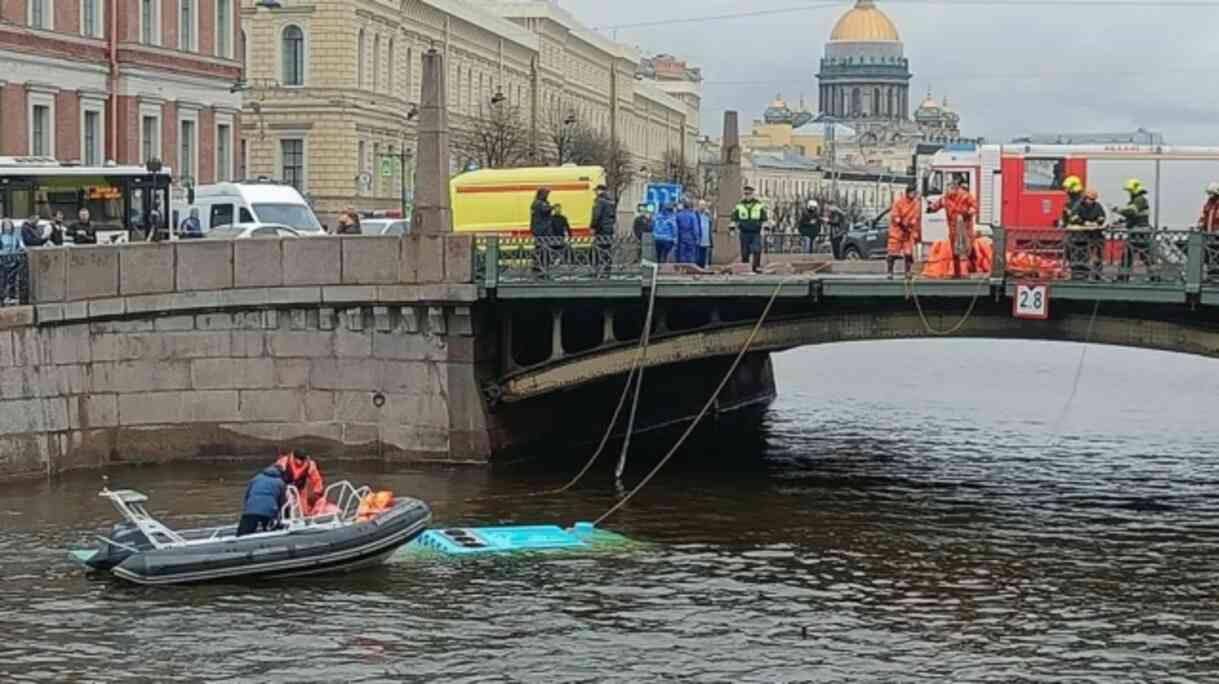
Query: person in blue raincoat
x=264 y=499
x=664 y=233
x=688 y=233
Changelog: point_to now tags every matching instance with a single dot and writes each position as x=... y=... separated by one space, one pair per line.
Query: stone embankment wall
x=353 y=346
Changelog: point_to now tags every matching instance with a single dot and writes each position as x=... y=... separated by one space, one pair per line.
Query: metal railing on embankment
x=555 y=259
x=14 y=279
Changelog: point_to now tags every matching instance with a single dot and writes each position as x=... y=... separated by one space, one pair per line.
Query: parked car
x=243 y=231
x=868 y=240
x=385 y=226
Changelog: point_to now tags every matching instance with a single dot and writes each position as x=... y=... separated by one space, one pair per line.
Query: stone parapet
x=114 y=280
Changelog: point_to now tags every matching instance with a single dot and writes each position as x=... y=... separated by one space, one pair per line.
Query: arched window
x=360 y=59
x=294 y=56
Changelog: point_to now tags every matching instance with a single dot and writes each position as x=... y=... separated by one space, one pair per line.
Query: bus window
x=221 y=215
x=1044 y=175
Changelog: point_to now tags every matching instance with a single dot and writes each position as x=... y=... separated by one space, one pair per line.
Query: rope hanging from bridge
x=1079 y=372
x=636 y=375
x=911 y=293
x=757 y=328
x=641 y=365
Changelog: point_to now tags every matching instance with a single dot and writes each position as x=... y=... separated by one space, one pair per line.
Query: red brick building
x=124 y=81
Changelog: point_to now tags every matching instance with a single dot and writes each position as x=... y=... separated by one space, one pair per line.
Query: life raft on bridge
x=939 y=262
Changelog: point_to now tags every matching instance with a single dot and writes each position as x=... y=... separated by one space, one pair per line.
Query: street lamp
x=403 y=157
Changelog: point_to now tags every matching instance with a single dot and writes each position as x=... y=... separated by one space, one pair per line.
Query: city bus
x=122 y=200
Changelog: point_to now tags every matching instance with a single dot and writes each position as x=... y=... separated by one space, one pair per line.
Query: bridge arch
x=1140 y=326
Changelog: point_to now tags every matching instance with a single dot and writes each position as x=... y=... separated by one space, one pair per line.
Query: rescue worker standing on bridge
x=1086 y=239
x=1209 y=223
x=961 y=207
x=1137 y=216
x=1075 y=196
x=748 y=219
x=905 y=226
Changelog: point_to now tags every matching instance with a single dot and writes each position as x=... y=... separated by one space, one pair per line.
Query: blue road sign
x=659 y=194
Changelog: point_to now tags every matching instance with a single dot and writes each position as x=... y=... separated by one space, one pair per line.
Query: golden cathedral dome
x=865 y=24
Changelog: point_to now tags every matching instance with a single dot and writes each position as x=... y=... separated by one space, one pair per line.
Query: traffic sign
x=1032 y=301
x=659 y=194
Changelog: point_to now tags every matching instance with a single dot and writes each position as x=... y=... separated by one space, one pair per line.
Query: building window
x=150 y=138
x=389 y=75
x=186 y=25
x=360 y=59
x=242 y=47
x=361 y=160
x=150 y=22
x=186 y=147
x=292 y=159
x=224 y=152
x=376 y=63
x=410 y=73
x=241 y=160
x=294 y=56
x=41 y=14
x=40 y=133
x=91 y=137
x=91 y=18
x=224 y=28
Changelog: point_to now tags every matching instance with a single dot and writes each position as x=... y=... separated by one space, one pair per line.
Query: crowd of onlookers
x=681 y=231
x=35 y=232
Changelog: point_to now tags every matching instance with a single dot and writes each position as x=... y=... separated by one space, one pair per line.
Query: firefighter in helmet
x=1086 y=238
x=1137 y=217
x=1075 y=196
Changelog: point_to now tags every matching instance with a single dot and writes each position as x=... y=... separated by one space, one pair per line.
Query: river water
x=913 y=511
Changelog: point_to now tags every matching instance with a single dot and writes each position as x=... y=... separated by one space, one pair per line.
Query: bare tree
x=499 y=139
x=560 y=135
x=676 y=170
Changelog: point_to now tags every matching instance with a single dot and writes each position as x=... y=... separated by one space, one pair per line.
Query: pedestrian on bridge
x=748 y=219
x=540 y=213
x=664 y=233
x=704 y=234
x=905 y=227
x=811 y=222
x=688 y=230
x=604 y=224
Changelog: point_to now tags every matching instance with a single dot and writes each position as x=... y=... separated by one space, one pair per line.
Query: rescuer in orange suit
x=1209 y=223
x=961 y=208
x=303 y=473
x=905 y=227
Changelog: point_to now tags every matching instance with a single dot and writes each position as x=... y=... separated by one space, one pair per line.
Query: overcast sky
x=1010 y=67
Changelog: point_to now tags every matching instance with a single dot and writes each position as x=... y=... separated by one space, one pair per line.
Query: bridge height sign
x=1032 y=301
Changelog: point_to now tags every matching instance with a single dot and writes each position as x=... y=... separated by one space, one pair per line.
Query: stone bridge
x=445 y=349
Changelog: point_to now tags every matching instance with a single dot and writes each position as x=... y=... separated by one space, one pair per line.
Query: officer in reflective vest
x=747 y=220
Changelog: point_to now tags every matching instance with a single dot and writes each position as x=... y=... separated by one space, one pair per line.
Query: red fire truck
x=1020 y=186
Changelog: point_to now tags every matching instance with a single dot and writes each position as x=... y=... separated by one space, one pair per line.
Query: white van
x=247 y=202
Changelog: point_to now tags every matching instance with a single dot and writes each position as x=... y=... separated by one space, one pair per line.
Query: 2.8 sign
x=1032 y=301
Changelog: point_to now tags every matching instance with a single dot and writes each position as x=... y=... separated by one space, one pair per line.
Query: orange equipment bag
x=374 y=504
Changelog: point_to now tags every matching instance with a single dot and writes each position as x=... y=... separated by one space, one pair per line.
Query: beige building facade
x=332 y=87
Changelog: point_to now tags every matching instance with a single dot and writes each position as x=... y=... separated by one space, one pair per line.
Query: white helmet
x=1212 y=189
x=812 y=204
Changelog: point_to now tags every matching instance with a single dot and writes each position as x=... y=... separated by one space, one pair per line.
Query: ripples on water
x=905 y=515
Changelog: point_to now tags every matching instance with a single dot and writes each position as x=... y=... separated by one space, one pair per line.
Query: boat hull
x=305 y=552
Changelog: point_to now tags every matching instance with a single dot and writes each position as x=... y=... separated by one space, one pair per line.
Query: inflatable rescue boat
x=357 y=529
